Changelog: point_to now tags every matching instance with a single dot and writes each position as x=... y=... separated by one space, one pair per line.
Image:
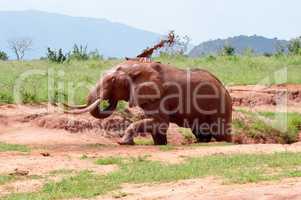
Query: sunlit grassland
x=79 y=76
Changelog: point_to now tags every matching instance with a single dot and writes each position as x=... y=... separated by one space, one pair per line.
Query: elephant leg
x=202 y=131
x=155 y=127
x=201 y=136
x=224 y=133
x=159 y=134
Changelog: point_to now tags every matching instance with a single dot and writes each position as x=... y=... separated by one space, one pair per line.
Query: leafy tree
x=79 y=53
x=3 y=55
x=266 y=54
x=56 y=56
x=280 y=50
x=228 y=50
x=294 y=46
x=95 y=55
x=248 y=52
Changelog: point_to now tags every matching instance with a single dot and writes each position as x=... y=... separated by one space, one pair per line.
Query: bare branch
x=20 y=46
x=147 y=53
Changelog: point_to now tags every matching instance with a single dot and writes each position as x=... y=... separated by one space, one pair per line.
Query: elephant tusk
x=84 y=110
x=74 y=107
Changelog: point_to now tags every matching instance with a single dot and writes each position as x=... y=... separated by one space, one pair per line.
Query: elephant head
x=119 y=84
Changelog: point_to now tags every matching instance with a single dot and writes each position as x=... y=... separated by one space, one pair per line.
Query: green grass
x=13 y=147
x=212 y=144
x=61 y=172
x=188 y=135
x=242 y=69
x=238 y=169
x=6 y=179
x=293 y=124
x=109 y=161
x=76 y=74
x=143 y=141
x=254 y=126
x=81 y=75
x=84 y=157
x=97 y=145
x=167 y=148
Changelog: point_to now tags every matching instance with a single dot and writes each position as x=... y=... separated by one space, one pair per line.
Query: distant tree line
x=294 y=48
x=21 y=46
x=79 y=52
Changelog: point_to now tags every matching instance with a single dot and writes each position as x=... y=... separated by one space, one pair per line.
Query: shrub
x=267 y=54
x=280 y=50
x=79 y=53
x=56 y=56
x=95 y=55
x=248 y=52
x=228 y=50
x=3 y=55
x=294 y=46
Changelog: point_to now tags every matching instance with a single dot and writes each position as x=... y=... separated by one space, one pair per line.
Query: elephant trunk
x=96 y=111
x=93 y=101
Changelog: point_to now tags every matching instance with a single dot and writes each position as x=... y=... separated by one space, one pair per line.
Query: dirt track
x=47 y=131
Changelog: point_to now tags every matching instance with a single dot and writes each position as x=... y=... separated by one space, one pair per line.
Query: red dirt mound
x=254 y=95
x=113 y=126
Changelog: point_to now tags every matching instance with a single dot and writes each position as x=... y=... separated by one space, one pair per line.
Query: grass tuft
x=143 y=141
x=110 y=161
x=13 y=147
x=188 y=135
x=167 y=148
x=5 y=179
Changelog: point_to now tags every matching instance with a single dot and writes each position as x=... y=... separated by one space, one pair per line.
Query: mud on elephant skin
x=193 y=99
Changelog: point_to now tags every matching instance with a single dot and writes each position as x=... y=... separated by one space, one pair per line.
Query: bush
x=95 y=55
x=267 y=54
x=56 y=56
x=228 y=51
x=248 y=52
x=3 y=55
x=79 y=53
x=294 y=46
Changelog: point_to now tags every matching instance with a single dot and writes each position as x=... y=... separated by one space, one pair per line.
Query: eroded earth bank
x=41 y=149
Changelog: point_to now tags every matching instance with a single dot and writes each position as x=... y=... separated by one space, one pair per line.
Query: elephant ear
x=146 y=84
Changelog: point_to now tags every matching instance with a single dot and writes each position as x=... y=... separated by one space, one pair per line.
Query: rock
x=19 y=172
x=174 y=137
x=45 y=154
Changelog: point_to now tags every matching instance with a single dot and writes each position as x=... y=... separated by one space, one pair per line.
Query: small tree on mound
x=3 y=55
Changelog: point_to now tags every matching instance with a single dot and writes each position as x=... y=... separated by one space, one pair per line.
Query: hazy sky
x=200 y=19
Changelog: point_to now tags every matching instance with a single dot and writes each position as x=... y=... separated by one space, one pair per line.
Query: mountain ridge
x=112 y=39
x=258 y=44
